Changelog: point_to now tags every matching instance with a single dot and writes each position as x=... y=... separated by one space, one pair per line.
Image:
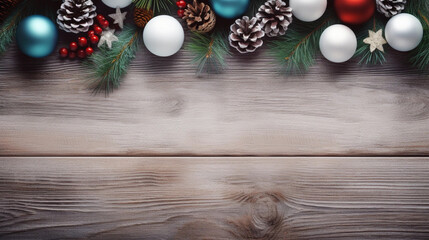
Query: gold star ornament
x=375 y=40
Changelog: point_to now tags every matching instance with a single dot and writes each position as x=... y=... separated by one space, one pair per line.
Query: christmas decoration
x=230 y=8
x=118 y=17
x=404 y=32
x=64 y=52
x=390 y=8
x=142 y=16
x=36 y=36
x=156 y=5
x=355 y=11
x=107 y=37
x=375 y=40
x=308 y=10
x=5 y=7
x=76 y=15
x=163 y=36
x=419 y=57
x=275 y=17
x=117 y=3
x=338 y=43
x=246 y=35
x=199 y=17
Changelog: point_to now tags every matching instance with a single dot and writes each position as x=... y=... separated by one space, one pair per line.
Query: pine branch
x=363 y=51
x=111 y=64
x=420 y=56
x=254 y=6
x=155 y=5
x=23 y=10
x=210 y=51
x=298 y=48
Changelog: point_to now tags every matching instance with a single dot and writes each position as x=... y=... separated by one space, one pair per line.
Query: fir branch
x=155 y=5
x=363 y=51
x=254 y=6
x=210 y=51
x=111 y=64
x=298 y=48
x=23 y=10
x=420 y=56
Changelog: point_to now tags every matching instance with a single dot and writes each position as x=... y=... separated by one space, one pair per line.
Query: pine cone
x=76 y=15
x=275 y=17
x=199 y=17
x=246 y=35
x=5 y=7
x=142 y=16
x=390 y=8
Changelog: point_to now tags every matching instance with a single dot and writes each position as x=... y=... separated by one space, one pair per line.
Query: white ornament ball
x=117 y=3
x=308 y=10
x=163 y=36
x=338 y=43
x=404 y=32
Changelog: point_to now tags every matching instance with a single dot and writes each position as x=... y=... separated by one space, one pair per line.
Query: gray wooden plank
x=214 y=198
x=163 y=108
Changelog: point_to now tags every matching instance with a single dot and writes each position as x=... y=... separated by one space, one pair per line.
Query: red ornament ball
x=355 y=11
x=180 y=13
x=83 y=42
x=64 y=52
x=72 y=55
x=98 y=30
x=91 y=33
x=81 y=53
x=181 y=4
x=94 y=39
x=89 y=51
x=73 y=46
x=104 y=24
x=100 y=18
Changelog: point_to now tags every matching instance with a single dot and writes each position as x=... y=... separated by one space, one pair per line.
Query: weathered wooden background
x=338 y=153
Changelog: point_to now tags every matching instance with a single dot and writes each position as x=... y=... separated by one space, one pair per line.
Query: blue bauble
x=37 y=36
x=230 y=8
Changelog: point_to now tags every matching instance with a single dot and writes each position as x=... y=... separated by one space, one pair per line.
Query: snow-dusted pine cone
x=246 y=35
x=390 y=8
x=76 y=15
x=199 y=17
x=275 y=17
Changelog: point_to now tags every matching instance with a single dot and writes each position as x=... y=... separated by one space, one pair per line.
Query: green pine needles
x=210 y=51
x=111 y=64
x=155 y=5
x=420 y=56
x=363 y=51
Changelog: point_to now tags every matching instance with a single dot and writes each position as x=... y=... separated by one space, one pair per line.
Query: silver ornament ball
x=404 y=32
x=308 y=10
x=338 y=43
x=118 y=3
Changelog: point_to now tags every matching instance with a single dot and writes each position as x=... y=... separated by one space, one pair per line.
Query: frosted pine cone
x=246 y=35
x=275 y=17
x=390 y=8
x=76 y=15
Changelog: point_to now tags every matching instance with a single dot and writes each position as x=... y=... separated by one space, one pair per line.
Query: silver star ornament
x=375 y=40
x=108 y=37
x=119 y=17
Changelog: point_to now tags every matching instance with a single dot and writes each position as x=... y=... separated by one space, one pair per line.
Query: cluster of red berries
x=84 y=45
x=181 y=4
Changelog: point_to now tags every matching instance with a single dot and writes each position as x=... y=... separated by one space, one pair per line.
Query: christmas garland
x=294 y=31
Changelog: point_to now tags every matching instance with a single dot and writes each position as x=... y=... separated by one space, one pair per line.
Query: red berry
x=83 y=42
x=98 y=30
x=73 y=46
x=81 y=53
x=181 y=4
x=72 y=55
x=180 y=12
x=91 y=33
x=104 y=24
x=89 y=51
x=64 y=52
x=94 y=39
x=100 y=18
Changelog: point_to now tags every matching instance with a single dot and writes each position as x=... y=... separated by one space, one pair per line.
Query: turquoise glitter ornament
x=36 y=36
x=230 y=8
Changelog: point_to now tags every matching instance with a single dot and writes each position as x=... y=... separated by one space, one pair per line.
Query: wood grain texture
x=214 y=198
x=163 y=108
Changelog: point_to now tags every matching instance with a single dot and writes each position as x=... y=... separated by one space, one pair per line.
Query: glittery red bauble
x=355 y=11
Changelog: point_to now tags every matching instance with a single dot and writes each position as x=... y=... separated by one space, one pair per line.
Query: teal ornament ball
x=37 y=36
x=230 y=8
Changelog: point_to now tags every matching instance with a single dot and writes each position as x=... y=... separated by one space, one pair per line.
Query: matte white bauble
x=308 y=10
x=404 y=32
x=338 y=43
x=117 y=3
x=163 y=36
